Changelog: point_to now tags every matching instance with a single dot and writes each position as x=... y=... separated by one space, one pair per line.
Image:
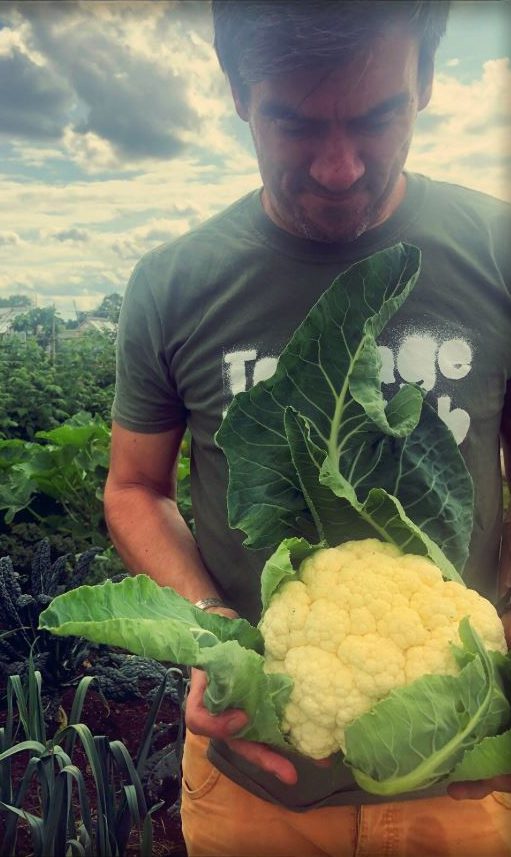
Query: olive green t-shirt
x=207 y=316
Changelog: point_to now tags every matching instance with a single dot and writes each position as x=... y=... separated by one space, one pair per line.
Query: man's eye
x=292 y=129
x=375 y=125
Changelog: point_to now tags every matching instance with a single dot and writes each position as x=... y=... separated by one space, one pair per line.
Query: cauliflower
x=360 y=620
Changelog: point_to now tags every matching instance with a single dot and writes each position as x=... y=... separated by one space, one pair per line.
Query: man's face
x=331 y=145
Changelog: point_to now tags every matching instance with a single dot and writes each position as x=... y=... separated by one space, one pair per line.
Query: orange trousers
x=220 y=819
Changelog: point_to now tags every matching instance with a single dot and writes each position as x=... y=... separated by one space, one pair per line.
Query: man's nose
x=336 y=165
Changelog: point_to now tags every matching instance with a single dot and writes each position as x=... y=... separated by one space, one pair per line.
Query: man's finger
x=262 y=756
x=477 y=789
x=223 y=726
x=202 y=722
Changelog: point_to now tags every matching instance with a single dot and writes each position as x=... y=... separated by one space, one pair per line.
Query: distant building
x=90 y=324
x=102 y=325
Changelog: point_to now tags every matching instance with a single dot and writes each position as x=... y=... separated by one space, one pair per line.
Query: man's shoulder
x=190 y=266
x=476 y=200
x=208 y=237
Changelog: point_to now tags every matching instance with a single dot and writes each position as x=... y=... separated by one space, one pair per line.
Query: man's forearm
x=152 y=537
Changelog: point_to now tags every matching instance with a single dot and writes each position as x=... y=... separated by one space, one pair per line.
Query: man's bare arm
x=142 y=515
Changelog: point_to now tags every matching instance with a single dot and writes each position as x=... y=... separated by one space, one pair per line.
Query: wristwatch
x=204 y=603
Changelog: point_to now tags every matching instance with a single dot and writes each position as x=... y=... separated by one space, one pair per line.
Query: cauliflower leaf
x=309 y=474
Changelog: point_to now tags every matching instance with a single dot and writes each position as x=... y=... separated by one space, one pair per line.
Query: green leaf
x=145 y=618
x=417 y=734
x=36 y=825
x=236 y=679
x=283 y=565
x=337 y=513
x=12 y=452
x=74 y=435
x=321 y=420
x=490 y=758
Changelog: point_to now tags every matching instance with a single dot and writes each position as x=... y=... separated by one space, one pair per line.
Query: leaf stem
x=333 y=445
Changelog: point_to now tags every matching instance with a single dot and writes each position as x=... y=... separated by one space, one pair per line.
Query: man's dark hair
x=259 y=39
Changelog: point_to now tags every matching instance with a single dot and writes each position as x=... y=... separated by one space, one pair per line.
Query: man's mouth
x=334 y=198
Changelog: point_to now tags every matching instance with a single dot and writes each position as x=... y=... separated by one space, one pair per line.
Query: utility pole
x=53 y=337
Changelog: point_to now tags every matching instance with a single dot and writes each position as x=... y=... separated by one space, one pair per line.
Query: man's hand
x=223 y=726
x=479 y=788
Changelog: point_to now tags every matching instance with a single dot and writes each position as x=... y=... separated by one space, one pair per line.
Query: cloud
x=72 y=235
x=160 y=234
x=156 y=231
x=8 y=239
x=90 y=152
x=463 y=136
x=127 y=249
x=34 y=101
x=134 y=101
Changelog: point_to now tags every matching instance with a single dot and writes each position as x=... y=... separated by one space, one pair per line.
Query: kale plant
x=22 y=599
x=62 y=663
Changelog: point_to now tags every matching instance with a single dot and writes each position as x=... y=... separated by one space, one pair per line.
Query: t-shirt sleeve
x=146 y=399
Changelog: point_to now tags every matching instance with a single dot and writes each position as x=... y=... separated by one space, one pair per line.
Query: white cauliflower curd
x=360 y=620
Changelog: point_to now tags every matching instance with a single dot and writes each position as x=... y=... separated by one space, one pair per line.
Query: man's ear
x=240 y=102
x=426 y=74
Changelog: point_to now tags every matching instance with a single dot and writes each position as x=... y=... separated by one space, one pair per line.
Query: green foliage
x=24 y=595
x=58 y=480
x=85 y=367
x=31 y=397
x=20 y=539
x=22 y=599
x=74 y=817
x=67 y=464
x=109 y=307
x=184 y=498
x=38 y=390
x=40 y=322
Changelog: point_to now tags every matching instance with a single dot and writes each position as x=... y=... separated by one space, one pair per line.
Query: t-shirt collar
x=371 y=241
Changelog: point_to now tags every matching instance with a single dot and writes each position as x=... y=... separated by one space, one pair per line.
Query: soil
x=122 y=721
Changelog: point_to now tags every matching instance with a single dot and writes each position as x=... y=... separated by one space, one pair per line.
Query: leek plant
x=76 y=817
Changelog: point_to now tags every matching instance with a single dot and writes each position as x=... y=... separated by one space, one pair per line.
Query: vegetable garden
x=79 y=771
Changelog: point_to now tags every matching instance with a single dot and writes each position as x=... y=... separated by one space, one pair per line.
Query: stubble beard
x=346 y=225
x=343 y=230
x=338 y=234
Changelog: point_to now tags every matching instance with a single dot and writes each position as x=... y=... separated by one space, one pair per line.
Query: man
x=331 y=92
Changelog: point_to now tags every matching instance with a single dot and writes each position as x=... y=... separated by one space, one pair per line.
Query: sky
x=117 y=133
